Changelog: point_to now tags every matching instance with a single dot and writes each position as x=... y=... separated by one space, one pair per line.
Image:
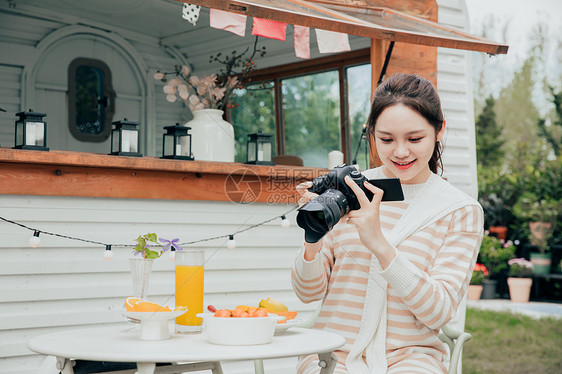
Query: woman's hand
x=367 y=222
x=306 y=195
x=310 y=249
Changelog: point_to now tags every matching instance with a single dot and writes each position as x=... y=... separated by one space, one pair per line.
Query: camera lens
x=319 y=215
x=317 y=220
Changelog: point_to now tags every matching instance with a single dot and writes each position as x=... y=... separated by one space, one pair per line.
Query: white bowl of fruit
x=244 y=325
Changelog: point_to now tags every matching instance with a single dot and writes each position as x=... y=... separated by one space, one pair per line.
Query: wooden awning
x=361 y=20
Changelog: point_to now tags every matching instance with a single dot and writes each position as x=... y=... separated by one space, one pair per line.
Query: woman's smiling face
x=405 y=142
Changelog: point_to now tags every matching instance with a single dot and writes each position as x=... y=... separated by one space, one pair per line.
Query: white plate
x=287 y=325
x=154 y=316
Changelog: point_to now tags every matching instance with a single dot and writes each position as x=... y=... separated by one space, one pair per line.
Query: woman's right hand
x=310 y=249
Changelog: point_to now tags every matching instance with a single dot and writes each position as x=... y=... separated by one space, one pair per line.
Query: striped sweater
x=426 y=280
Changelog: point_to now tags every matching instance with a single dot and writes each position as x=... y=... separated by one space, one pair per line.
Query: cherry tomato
x=259 y=313
x=223 y=313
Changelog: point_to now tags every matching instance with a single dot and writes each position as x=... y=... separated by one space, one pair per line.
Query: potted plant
x=540 y=216
x=496 y=214
x=494 y=254
x=519 y=281
x=475 y=287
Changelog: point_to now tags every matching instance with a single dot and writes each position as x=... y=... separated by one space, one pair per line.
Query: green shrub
x=494 y=254
x=501 y=193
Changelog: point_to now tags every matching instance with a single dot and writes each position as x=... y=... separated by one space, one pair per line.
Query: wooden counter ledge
x=64 y=173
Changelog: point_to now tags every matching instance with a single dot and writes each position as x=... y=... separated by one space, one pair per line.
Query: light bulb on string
x=172 y=253
x=34 y=241
x=107 y=254
x=231 y=243
x=285 y=223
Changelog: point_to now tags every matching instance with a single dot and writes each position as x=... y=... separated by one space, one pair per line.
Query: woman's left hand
x=367 y=221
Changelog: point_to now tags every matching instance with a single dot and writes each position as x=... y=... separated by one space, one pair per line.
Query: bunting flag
x=332 y=42
x=302 y=41
x=191 y=12
x=269 y=29
x=235 y=23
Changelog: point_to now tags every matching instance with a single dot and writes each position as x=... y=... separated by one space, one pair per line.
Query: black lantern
x=125 y=139
x=258 y=149
x=31 y=131
x=177 y=143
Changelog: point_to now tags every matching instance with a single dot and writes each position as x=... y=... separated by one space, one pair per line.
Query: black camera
x=336 y=199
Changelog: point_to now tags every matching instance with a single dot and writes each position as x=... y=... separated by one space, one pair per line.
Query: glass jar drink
x=190 y=271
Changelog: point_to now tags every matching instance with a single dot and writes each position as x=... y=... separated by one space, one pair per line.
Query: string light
x=107 y=254
x=34 y=241
x=285 y=223
x=231 y=243
x=172 y=253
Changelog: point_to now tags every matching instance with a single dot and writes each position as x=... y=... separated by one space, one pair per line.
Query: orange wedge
x=288 y=314
x=134 y=304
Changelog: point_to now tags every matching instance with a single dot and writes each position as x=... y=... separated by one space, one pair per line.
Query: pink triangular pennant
x=235 y=23
x=269 y=29
x=331 y=41
x=302 y=41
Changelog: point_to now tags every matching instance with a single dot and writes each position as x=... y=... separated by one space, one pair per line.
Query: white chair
x=452 y=334
x=455 y=340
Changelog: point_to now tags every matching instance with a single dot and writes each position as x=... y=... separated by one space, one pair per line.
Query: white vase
x=212 y=136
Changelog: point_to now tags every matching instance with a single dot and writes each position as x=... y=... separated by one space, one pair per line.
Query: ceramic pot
x=212 y=136
x=499 y=231
x=519 y=289
x=489 y=288
x=540 y=231
x=541 y=263
x=474 y=291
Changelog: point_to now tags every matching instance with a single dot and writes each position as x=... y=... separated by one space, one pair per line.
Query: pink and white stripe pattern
x=426 y=282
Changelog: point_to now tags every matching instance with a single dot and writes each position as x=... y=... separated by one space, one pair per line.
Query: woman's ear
x=441 y=132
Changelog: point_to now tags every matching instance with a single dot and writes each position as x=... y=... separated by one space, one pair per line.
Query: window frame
x=108 y=98
x=340 y=62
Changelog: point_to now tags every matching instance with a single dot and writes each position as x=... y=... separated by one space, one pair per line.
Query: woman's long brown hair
x=416 y=93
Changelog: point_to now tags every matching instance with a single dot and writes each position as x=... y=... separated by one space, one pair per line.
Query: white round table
x=121 y=344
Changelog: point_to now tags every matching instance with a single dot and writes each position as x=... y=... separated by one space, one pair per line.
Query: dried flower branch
x=213 y=91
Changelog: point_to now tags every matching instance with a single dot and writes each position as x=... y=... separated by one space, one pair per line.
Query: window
x=255 y=111
x=359 y=104
x=90 y=100
x=312 y=108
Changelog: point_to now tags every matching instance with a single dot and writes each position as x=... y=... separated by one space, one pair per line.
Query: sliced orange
x=134 y=304
x=288 y=314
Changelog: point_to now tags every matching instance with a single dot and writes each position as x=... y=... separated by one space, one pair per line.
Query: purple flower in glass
x=170 y=243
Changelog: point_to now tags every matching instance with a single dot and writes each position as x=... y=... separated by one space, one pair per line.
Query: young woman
x=391 y=274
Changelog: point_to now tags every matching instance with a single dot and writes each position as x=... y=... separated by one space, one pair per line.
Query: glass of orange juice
x=190 y=272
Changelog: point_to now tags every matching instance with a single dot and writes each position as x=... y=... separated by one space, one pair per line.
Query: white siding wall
x=65 y=283
x=20 y=37
x=454 y=82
